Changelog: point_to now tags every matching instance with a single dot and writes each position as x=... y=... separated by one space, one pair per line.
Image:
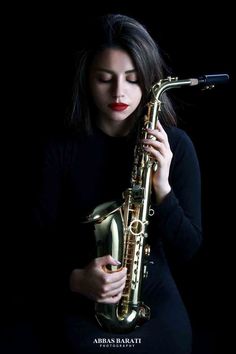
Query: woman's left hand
x=160 y=151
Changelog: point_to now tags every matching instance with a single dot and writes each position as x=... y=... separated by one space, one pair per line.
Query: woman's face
x=114 y=86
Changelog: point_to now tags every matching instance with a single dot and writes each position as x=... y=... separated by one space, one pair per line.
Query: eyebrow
x=112 y=72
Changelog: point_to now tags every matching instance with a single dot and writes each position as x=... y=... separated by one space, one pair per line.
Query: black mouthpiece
x=213 y=79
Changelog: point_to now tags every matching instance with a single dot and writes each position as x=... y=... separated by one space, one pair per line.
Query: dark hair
x=115 y=30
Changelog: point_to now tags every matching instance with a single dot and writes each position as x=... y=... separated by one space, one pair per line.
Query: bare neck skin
x=116 y=129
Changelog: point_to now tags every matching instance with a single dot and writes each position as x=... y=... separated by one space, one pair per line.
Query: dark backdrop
x=41 y=50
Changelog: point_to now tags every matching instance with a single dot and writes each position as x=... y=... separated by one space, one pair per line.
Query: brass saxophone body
x=121 y=227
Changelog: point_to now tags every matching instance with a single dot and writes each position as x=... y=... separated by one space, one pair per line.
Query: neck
x=115 y=129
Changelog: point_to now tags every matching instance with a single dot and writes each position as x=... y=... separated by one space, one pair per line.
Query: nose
x=118 y=88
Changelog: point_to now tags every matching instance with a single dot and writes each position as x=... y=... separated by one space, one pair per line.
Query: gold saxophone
x=121 y=227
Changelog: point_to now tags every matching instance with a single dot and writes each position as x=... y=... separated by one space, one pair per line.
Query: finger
x=111 y=300
x=112 y=292
x=155 y=154
x=157 y=134
x=156 y=145
x=115 y=285
x=106 y=260
x=114 y=277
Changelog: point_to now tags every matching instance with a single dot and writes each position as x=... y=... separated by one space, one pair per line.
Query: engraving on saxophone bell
x=121 y=227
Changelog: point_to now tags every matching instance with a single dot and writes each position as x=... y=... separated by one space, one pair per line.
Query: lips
x=118 y=106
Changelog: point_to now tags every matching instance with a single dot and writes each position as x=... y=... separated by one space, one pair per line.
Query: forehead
x=114 y=59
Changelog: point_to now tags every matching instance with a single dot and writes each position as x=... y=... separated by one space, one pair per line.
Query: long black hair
x=119 y=31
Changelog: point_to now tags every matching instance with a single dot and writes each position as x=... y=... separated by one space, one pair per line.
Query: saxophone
x=121 y=227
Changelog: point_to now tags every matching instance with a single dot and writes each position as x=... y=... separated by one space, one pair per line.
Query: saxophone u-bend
x=121 y=227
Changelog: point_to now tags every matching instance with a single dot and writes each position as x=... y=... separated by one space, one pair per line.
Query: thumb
x=106 y=260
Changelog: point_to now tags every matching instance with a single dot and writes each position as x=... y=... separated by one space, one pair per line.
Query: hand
x=96 y=283
x=160 y=151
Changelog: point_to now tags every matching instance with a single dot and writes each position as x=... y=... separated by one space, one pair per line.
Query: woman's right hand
x=96 y=283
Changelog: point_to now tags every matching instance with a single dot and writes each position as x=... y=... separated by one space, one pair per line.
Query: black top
x=81 y=172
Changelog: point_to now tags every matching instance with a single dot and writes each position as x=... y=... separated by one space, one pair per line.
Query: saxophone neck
x=205 y=81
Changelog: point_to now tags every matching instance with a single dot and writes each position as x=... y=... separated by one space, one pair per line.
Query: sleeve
x=47 y=258
x=49 y=187
x=179 y=215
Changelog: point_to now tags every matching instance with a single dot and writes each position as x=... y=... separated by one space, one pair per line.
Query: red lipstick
x=118 y=106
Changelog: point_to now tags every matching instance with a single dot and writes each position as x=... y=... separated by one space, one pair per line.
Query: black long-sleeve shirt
x=80 y=173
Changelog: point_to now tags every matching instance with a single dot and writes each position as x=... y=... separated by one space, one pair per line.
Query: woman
x=116 y=70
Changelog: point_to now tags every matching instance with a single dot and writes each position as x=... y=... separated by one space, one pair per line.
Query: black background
x=41 y=45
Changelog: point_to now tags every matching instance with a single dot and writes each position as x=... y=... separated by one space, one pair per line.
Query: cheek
x=137 y=97
x=98 y=96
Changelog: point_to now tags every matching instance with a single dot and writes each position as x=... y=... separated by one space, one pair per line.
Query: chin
x=119 y=116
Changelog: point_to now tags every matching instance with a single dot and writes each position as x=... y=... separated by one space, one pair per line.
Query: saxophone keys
x=151 y=212
x=155 y=166
x=145 y=272
x=147 y=250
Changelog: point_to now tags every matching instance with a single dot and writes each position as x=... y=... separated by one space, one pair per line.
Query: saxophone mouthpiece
x=211 y=80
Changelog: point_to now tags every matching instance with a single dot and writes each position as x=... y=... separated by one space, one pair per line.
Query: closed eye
x=133 y=81
x=104 y=80
x=110 y=80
